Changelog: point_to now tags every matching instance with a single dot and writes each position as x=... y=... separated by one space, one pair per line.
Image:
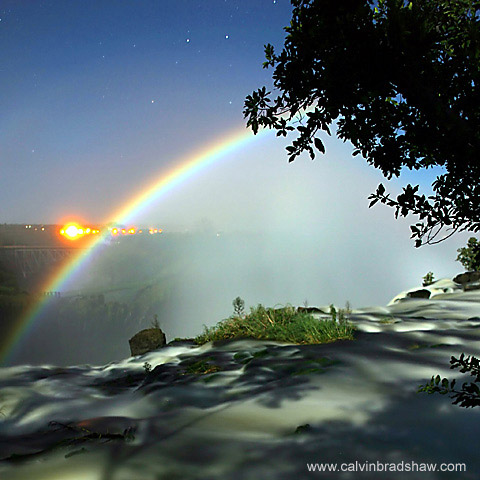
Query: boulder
x=424 y=293
x=467 y=277
x=146 y=341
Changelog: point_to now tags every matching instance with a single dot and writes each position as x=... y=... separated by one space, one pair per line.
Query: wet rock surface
x=146 y=341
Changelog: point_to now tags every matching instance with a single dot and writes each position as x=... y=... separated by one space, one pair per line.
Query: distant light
x=131 y=231
x=87 y=231
x=114 y=231
x=123 y=231
x=72 y=231
x=43 y=228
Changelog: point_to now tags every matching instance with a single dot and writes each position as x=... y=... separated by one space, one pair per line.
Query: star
x=226 y=36
x=153 y=101
x=188 y=40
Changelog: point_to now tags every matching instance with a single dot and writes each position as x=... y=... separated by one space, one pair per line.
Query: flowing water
x=263 y=409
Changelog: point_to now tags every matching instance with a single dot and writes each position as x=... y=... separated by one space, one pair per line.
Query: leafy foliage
x=281 y=324
x=401 y=81
x=340 y=315
x=469 y=395
x=201 y=367
x=469 y=256
x=147 y=367
x=238 y=307
x=428 y=279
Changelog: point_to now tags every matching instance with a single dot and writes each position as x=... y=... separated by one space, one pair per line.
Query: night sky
x=98 y=98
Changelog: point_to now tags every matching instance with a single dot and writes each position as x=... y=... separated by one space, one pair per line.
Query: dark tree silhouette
x=401 y=81
x=469 y=395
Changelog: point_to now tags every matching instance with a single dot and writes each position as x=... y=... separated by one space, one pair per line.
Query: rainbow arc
x=183 y=170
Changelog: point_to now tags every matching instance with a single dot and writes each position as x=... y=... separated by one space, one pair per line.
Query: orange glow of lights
x=123 y=231
x=71 y=231
x=131 y=231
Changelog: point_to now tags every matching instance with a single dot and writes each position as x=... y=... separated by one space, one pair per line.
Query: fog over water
x=303 y=235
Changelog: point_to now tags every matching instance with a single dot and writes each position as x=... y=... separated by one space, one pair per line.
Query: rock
x=467 y=277
x=440 y=287
x=424 y=293
x=146 y=341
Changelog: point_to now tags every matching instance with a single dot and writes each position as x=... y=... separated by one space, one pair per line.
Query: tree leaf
x=319 y=145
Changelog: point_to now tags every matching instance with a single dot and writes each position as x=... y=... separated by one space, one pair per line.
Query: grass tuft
x=201 y=367
x=282 y=324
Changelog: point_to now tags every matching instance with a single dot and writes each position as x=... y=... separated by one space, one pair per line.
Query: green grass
x=201 y=367
x=282 y=325
x=387 y=321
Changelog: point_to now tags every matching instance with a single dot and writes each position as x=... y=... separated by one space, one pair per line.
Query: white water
x=240 y=423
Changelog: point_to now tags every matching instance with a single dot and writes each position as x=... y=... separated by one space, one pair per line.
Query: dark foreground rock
x=146 y=341
x=419 y=294
x=467 y=277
